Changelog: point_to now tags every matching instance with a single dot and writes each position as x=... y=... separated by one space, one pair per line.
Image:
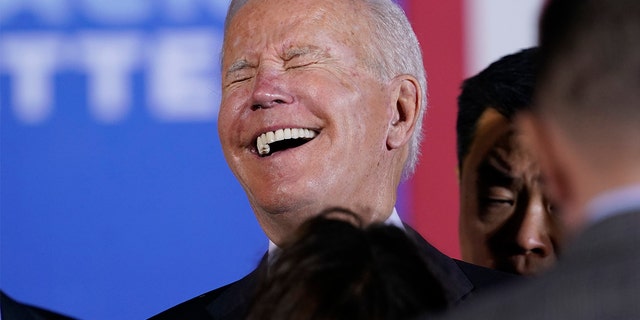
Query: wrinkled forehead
x=513 y=154
x=496 y=136
x=511 y=145
x=499 y=150
x=278 y=17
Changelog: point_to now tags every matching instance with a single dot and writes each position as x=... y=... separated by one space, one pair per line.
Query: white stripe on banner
x=494 y=28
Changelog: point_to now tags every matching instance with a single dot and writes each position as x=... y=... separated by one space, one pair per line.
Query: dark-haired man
x=585 y=128
x=506 y=221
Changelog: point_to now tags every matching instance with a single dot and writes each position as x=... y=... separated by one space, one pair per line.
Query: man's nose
x=270 y=89
x=533 y=234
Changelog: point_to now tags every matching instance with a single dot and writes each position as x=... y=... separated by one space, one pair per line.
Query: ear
x=547 y=147
x=406 y=100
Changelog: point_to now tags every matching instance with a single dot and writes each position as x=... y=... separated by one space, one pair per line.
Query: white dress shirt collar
x=613 y=202
x=392 y=220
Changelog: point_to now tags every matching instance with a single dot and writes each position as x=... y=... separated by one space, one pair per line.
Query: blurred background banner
x=115 y=199
x=459 y=38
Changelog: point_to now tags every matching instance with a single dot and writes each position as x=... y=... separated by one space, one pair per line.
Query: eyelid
x=499 y=194
x=289 y=65
x=238 y=72
x=240 y=79
x=498 y=189
x=237 y=76
x=500 y=200
x=300 y=59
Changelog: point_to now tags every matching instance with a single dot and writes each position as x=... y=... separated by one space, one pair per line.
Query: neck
x=281 y=225
x=392 y=220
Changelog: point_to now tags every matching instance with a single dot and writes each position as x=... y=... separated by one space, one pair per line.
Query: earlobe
x=407 y=98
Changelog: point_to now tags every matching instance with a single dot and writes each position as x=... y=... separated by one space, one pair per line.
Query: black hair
x=506 y=85
x=335 y=269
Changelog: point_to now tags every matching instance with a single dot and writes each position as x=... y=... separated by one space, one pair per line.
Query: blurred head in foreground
x=334 y=268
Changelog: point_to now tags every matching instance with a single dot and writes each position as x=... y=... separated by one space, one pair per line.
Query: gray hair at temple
x=396 y=51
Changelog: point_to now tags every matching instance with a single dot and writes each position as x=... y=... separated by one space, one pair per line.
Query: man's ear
x=546 y=146
x=407 y=99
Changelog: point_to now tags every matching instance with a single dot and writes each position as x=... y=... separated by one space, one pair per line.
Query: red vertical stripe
x=434 y=188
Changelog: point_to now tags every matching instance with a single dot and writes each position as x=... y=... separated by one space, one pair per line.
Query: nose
x=270 y=89
x=533 y=234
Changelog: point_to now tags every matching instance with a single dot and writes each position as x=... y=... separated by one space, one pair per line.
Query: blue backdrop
x=116 y=202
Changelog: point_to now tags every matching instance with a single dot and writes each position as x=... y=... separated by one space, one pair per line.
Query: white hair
x=398 y=52
x=394 y=52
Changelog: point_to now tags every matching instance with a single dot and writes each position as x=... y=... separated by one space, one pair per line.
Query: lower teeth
x=264 y=150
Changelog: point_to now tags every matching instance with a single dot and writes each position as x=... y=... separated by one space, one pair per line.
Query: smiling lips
x=264 y=141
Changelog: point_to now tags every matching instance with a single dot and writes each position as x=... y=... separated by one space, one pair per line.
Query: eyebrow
x=293 y=52
x=289 y=54
x=495 y=170
x=238 y=65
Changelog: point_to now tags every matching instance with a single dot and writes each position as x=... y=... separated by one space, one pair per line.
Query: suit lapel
x=455 y=283
x=233 y=303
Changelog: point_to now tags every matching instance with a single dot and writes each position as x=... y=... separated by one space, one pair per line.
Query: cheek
x=470 y=223
x=357 y=114
x=230 y=114
x=469 y=201
x=373 y=112
x=367 y=128
x=476 y=220
x=474 y=229
x=224 y=123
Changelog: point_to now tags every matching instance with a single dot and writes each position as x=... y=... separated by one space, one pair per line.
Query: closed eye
x=299 y=57
x=239 y=71
x=298 y=64
x=493 y=209
x=498 y=197
x=240 y=79
x=499 y=201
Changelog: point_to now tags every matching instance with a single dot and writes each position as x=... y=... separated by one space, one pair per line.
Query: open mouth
x=282 y=139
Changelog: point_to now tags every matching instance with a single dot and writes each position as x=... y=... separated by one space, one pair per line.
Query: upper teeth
x=263 y=141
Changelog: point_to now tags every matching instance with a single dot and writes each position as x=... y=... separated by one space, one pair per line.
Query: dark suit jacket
x=14 y=310
x=597 y=278
x=459 y=279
